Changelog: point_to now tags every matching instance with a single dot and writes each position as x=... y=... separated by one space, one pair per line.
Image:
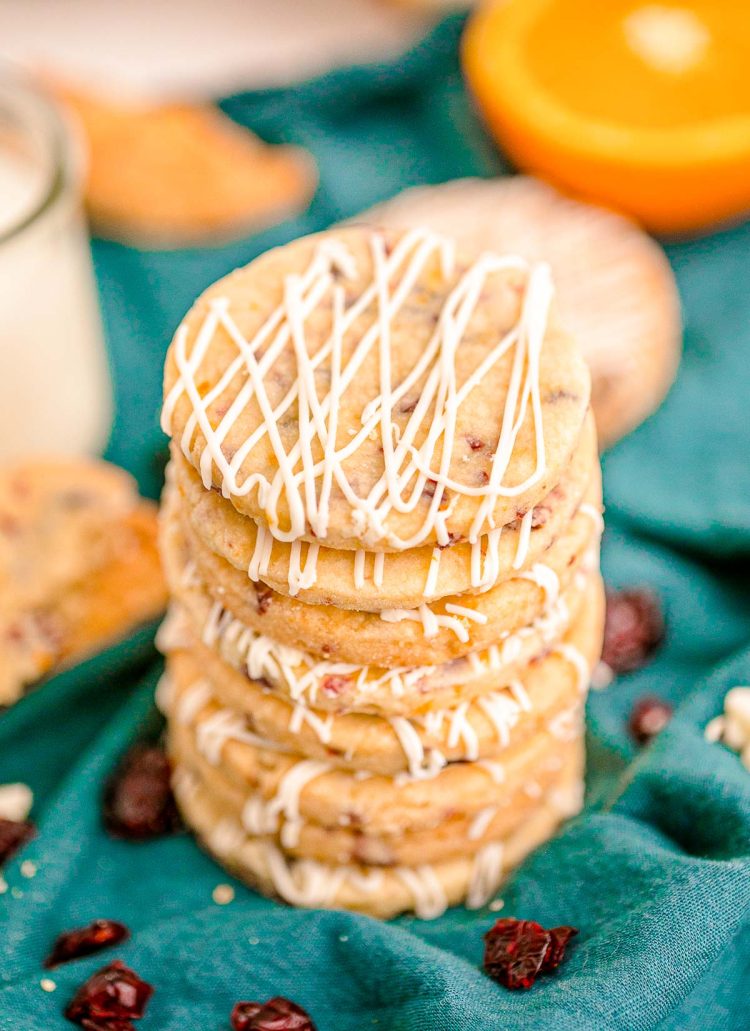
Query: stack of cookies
x=381 y=531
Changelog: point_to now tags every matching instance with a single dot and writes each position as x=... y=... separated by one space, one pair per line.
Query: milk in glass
x=54 y=383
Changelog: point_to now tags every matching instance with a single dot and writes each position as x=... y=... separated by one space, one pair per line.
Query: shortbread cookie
x=615 y=290
x=78 y=565
x=336 y=389
x=433 y=634
x=373 y=890
x=349 y=687
x=456 y=835
x=319 y=792
x=473 y=729
x=179 y=174
x=372 y=581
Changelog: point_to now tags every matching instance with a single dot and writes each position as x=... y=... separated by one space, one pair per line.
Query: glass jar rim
x=38 y=112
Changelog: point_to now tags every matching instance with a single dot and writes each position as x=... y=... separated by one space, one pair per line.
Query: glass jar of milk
x=55 y=393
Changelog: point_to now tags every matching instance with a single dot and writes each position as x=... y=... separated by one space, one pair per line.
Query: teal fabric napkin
x=655 y=873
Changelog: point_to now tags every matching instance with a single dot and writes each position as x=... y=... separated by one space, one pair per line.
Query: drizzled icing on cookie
x=486 y=875
x=305 y=481
x=306 y=676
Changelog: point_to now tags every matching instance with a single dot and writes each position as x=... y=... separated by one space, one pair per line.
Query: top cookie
x=377 y=390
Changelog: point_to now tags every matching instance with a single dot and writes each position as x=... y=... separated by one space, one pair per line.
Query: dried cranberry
x=559 y=938
x=106 y=1024
x=649 y=716
x=138 y=801
x=514 y=952
x=13 y=835
x=474 y=443
x=101 y=934
x=278 y=1014
x=333 y=684
x=517 y=951
x=633 y=629
x=114 y=993
x=263 y=598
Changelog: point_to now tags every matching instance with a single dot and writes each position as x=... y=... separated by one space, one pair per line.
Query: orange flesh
x=589 y=55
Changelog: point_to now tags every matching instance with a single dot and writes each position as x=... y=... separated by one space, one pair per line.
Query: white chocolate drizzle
x=524 y=534
x=425 y=888
x=421 y=766
x=321 y=727
x=502 y=712
x=485 y=560
x=566 y=725
x=193 y=699
x=303 y=882
x=262 y=817
x=304 y=482
x=479 y=825
x=546 y=578
x=593 y=513
x=225 y=725
x=433 y=572
x=578 y=661
x=466 y=612
x=460 y=729
x=164 y=694
x=486 y=875
x=432 y=622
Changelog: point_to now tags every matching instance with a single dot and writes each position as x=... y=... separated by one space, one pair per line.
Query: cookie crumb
x=3 y=886
x=47 y=984
x=16 y=893
x=28 y=868
x=343 y=937
x=496 y=905
x=223 y=894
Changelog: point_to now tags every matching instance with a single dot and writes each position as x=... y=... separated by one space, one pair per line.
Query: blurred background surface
x=195 y=49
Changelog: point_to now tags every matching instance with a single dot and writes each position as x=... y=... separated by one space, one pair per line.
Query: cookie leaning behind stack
x=380 y=531
x=616 y=291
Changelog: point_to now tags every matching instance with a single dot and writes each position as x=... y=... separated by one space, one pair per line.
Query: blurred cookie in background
x=170 y=175
x=615 y=289
x=78 y=565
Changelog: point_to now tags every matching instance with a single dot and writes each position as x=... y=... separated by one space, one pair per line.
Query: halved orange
x=644 y=107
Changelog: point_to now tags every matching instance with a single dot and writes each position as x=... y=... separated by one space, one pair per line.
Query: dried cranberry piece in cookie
x=138 y=801
x=517 y=951
x=13 y=835
x=333 y=684
x=278 y=1014
x=633 y=629
x=648 y=717
x=114 y=993
x=83 y=941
